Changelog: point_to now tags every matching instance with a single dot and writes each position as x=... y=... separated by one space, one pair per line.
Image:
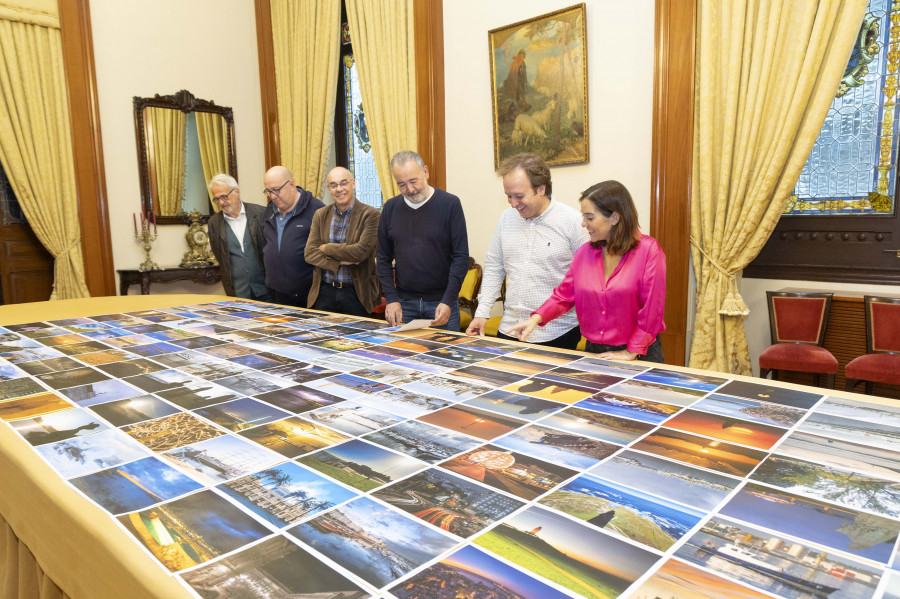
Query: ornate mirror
x=182 y=142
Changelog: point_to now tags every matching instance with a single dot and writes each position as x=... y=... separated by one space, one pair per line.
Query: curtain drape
x=306 y=40
x=766 y=74
x=167 y=126
x=212 y=134
x=35 y=138
x=384 y=48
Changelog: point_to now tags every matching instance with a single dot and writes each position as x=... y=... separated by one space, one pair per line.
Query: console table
x=208 y=275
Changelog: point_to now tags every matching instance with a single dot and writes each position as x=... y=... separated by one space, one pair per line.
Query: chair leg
x=850 y=384
x=829 y=381
x=763 y=373
x=870 y=388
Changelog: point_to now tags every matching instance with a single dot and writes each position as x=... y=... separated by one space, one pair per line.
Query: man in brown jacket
x=341 y=246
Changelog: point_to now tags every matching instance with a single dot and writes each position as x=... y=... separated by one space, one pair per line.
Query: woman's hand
x=521 y=330
x=622 y=354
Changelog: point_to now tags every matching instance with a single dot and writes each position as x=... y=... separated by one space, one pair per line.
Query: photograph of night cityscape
x=254 y=450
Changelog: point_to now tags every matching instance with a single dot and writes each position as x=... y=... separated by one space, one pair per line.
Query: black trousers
x=339 y=299
x=654 y=350
x=568 y=340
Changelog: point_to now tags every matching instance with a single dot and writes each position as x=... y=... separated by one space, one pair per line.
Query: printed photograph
x=598 y=425
x=197 y=394
x=172 y=431
x=41 y=366
x=689 y=486
x=373 y=542
x=403 y=403
x=439 y=336
x=572 y=376
x=515 y=473
x=362 y=465
x=448 y=502
x=241 y=413
x=697 y=382
x=161 y=380
x=574 y=451
x=507 y=363
x=700 y=451
x=677 y=580
x=883 y=463
x=344 y=362
x=609 y=367
x=58 y=426
x=102 y=392
x=229 y=350
x=192 y=530
x=286 y=493
x=30 y=354
x=422 y=441
x=513 y=404
x=849 y=408
x=134 y=409
x=221 y=459
x=253 y=383
x=61 y=380
x=293 y=436
x=857 y=533
x=873 y=434
x=82 y=455
x=487 y=376
x=262 y=360
x=352 y=418
x=629 y=513
x=151 y=349
x=447 y=388
x=14 y=388
x=414 y=345
x=346 y=386
x=551 y=390
x=546 y=356
x=302 y=351
x=569 y=553
x=426 y=363
x=390 y=374
x=772 y=394
x=301 y=372
x=275 y=563
x=472 y=421
x=491 y=346
x=752 y=434
x=373 y=337
x=852 y=489
x=9 y=372
x=777 y=563
x=473 y=573
x=299 y=399
x=130 y=367
x=340 y=344
x=670 y=394
x=458 y=353
x=11 y=342
x=750 y=409
x=30 y=406
x=105 y=357
x=135 y=486
x=372 y=353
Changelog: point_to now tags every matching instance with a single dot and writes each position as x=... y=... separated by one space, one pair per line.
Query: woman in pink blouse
x=617 y=282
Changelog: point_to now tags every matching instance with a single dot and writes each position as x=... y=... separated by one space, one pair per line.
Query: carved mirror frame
x=186 y=102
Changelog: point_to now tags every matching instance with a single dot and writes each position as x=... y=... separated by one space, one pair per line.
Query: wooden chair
x=468 y=294
x=797 y=326
x=881 y=364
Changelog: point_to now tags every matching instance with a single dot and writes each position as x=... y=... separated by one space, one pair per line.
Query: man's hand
x=393 y=313
x=441 y=315
x=521 y=330
x=476 y=327
x=322 y=247
x=617 y=355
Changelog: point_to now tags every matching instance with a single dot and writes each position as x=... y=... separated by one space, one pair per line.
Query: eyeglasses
x=277 y=190
x=222 y=198
x=344 y=184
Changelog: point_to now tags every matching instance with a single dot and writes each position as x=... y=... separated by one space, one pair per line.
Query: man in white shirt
x=532 y=248
x=234 y=238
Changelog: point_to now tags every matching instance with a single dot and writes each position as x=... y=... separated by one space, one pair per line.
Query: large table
x=54 y=542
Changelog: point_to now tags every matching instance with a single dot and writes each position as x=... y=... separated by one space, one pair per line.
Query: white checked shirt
x=534 y=255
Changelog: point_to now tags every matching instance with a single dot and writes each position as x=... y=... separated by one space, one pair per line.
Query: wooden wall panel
x=672 y=149
x=429 y=17
x=268 y=96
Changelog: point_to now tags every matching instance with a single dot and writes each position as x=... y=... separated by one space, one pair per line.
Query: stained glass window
x=360 y=159
x=852 y=167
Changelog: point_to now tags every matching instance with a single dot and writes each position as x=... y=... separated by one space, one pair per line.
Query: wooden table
x=208 y=275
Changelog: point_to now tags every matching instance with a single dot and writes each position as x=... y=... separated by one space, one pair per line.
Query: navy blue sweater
x=286 y=269
x=428 y=248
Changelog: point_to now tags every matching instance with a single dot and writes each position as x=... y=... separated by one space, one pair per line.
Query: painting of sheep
x=539 y=87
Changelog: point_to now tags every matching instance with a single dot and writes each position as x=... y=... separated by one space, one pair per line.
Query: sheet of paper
x=412 y=325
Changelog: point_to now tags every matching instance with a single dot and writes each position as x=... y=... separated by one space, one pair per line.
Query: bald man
x=341 y=247
x=285 y=230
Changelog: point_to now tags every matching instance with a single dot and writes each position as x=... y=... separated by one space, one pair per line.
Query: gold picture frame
x=539 y=88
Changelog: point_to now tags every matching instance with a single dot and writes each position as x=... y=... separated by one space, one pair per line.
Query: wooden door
x=26 y=268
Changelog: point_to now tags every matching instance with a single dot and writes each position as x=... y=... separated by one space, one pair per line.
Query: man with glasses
x=342 y=248
x=235 y=241
x=423 y=248
x=285 y=229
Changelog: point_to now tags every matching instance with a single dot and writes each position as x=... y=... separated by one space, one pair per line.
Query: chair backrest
x=468 y=293
x=882 y=324
x=798 y=317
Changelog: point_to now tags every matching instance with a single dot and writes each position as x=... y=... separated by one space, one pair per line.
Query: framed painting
x=539 y=87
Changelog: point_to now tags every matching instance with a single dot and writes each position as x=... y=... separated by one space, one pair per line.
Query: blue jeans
x=419 y=308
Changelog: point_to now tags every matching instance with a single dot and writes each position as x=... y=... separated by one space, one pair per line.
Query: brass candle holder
x=146 y=236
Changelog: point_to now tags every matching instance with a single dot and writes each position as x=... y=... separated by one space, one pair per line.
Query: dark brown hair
x=536 y=170
x=609 y=197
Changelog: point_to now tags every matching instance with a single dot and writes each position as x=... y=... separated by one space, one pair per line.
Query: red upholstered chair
x=881 y=364
x=797 y=324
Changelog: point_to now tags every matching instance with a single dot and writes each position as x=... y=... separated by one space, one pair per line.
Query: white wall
x=620 y=95
x=141 y=48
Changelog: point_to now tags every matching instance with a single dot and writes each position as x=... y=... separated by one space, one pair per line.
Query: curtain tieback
x=733 y=304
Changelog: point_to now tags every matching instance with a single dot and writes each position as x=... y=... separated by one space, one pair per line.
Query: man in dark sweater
x=285 y=229
x=423 y=249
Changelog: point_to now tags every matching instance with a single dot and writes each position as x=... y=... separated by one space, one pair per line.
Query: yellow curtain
x=212 y=134
x=35 y=138
x=167 y=126
x=766 y=74
x=384 y=47
x=306 y=40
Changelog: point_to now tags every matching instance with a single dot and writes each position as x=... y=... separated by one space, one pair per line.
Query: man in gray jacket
x=235 y=241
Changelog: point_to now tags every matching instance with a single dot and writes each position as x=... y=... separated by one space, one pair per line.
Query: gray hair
x=405 y=156
x=223 y=179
